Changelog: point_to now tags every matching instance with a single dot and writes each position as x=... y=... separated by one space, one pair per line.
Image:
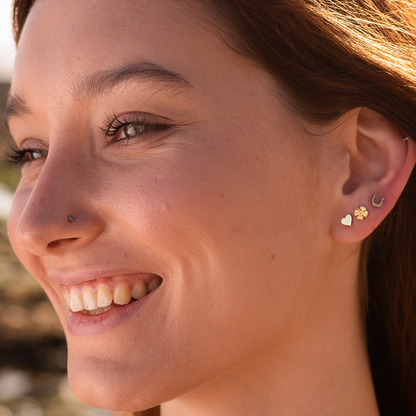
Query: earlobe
x=381 y=161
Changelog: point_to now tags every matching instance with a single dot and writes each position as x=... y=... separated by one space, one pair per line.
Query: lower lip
x=80 y=324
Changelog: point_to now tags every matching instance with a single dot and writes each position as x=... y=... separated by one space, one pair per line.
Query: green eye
x=134 y=129
x=126 y=130
x=36 y=154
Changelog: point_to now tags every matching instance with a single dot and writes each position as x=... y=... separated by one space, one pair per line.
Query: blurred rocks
x=6 y=198
x=9 y=176
x=28 y=408
x=5 y=411
x=31 y=335
x=14 y=384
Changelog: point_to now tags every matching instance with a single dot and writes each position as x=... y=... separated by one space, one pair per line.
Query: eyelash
x=19 y=157
x=116 y=125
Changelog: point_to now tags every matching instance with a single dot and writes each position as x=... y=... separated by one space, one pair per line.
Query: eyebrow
x=101 y=83
x=15 y=107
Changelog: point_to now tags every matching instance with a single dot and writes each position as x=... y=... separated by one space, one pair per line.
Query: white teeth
x=90 y=299
x=94 y=303
x=98 y=311
x=122 y=294
x=154 y=284
x=104 y=296
x=66 y=298
x=75 y=301
x=139 y=291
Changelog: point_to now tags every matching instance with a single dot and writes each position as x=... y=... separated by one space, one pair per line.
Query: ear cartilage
x=361 y=213
x=374 y=204
x=347 y=220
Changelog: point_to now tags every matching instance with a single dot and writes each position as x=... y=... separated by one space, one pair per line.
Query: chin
x=124 y=384
x=108 y=387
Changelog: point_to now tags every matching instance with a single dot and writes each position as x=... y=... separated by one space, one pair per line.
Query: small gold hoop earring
x=374 y=204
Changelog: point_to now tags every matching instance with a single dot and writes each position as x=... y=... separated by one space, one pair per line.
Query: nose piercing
x=71 y=218
x=374 y=204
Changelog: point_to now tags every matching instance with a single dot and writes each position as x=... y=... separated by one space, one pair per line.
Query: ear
x=381 y=160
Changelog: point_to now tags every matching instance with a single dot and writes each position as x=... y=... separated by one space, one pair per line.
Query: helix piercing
x=71 y=218
x=361 y=213
x=374 y=204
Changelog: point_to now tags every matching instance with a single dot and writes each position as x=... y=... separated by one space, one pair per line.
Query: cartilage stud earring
x=361 y=213
x=374 y=204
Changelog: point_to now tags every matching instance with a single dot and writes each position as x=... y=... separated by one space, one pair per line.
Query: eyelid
x=33 y=144
x=18 y=157
x=15 y=155
x=115 y=126
x=133 y=117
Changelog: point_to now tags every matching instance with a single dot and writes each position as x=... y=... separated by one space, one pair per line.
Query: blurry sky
x=7 y=49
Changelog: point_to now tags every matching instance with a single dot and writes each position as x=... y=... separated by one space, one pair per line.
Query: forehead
x=63 y=40
x=65 y=43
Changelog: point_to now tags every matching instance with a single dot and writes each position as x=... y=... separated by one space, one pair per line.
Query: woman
x=218 y=198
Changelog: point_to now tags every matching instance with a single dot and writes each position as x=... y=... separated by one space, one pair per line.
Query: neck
x=322 y=368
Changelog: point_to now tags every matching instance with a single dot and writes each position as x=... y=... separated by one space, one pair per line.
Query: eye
x=34 y=154
x=131 y=130
x=19 y=157
x=135 y=126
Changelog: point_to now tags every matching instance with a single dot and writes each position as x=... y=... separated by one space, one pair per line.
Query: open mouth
x=95 y=302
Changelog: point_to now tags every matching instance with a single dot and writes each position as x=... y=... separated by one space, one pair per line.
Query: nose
x=57 y=214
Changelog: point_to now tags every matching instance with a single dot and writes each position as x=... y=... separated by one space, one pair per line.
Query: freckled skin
x=202 y=205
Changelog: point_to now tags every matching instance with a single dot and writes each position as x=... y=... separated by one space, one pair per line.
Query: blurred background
x=33 y=351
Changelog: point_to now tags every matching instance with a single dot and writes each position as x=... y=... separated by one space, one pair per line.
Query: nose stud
x=71 y=218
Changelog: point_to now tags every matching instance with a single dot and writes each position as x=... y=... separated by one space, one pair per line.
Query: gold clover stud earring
x=361 y=213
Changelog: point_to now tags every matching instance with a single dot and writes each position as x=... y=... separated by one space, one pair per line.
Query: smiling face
x=153 y=154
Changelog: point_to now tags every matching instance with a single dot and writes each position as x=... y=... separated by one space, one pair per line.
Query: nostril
x=44 y=231
x=58 y=243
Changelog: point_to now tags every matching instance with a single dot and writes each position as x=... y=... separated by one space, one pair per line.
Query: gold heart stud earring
x=361 y=213
x=374 y=204
x=347 y=220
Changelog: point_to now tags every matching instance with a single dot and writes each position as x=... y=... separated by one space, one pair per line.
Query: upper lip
x=79 y=276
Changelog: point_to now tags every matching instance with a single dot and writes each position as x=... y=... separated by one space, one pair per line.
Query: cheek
x=226 y=227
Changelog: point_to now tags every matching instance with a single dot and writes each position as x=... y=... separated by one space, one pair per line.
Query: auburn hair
x=331 y=56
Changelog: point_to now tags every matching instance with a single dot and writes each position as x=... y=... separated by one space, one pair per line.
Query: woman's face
x=178 y=164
